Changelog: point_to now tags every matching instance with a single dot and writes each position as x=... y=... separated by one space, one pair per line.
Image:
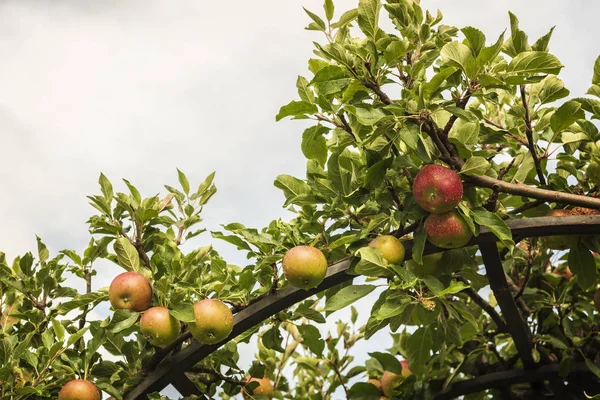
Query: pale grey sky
x=137 y=88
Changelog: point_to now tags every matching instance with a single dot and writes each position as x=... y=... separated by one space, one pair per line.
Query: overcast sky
x=135 y=89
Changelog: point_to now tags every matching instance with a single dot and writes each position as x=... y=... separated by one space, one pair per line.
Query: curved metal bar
x=499 y=380
x=254 y=314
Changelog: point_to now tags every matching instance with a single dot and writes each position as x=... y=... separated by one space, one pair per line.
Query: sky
x=138 y=88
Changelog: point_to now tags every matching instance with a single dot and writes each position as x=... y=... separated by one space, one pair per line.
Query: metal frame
x=172 y=370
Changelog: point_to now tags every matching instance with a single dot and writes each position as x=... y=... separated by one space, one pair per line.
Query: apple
x=564 y=242
x=159 y=326
x=597 y=299
x=448 y=230
x=264 y=388
x=432 y=265
x=390 y=247
x=563 y=271
x=131 y=291
x=304 y=266
x=390 y=380
x=79 y=389
x=376 y=383
x=214 y=321
x=437 y=189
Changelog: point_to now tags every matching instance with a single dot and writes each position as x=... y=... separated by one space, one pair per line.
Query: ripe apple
x=131 y=291
x=597 y=299
x=448 y=231
x=159 y=326
x=437 y=189
x=390 y=247
x=390 y=380
x=432 y=265
x=214 y=321
x=79 y=389
x=564 y=242
x=264 y=388
x=304 y=266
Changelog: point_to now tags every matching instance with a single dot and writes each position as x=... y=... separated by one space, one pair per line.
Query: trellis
x=172 y=370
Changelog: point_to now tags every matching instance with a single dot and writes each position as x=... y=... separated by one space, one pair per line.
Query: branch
x=377 y=89
x=529 y=133
x=409 y=229
x=477 y=299
x=339 y=375
x=491 y=202
x=162 y=353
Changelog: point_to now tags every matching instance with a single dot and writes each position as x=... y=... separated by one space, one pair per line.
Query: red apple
x=448 y=231
x=390 y=247
x=131 y=291
x=390 y=380
x=437 y=189
x=214 y=321
x=304 y=267
x=79 y=389
x=159 y=326
x=264 y=388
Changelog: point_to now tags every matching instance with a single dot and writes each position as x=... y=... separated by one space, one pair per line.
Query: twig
x=529 y=133
x=524 y=207
x=491 y=202
x=477 y=299
x=409 y=229
x=88 y=289
x=339 y=375
x=525 y=281
x=377 y=89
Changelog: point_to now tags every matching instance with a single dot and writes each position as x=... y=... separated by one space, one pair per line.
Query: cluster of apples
x=389 y=381
x=438 y=190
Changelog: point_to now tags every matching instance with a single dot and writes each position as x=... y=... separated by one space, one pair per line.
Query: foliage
x=384 y=104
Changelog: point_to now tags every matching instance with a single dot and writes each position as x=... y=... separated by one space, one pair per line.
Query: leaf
x=596 y=76
x=76 y=336
x=376 y=173
x=475 y=39
x=418 y=347
x=542 y=43
x=420 y=237
x=123 y=319
x=566 y=115
x=371 y=262
x=346 y=18
x=534 y=62
x=272 y=339
x=305 y=311
x=106 y=187
x=552 y=89
x=292 y=187
x=436 y=81
x=465 y=133
x=318 y=21
x=347 y=296
x=388 y=362
x=43 y=252
x=311 y=338
x=305 y=92
x=183 y=181
x=494 y=223
x=82 y=301
x=453 y=288
x=368 y=17
x=183 y=312
x=395 y=50
x=475 y=166
x=364 y=391
x=127 y=255
x=296 y=109
x=459 y=55
x=583 y=265
x=314 y=145
x=329 y=9
x=330 y=79
x=489 y=53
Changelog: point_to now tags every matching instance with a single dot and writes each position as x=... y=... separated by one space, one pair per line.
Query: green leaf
x=368 y=17
x=123 y=319
x=318 y=21
x=183 y=312
x=330 y=79
x=59 y=329
x=368 y=116
x=395 y=50
x=272 y=339
x=552 y=89
x=596 y=76
x=534 y=62
x=475 y=166
x=76 y=336
x=364 y=391
x=420 y=237
x=329 y=9
x=475 y=39
x=494 y=223
x=592 y=367
x=487 y=54
x=106 y=187
x=127 y=254
x=43 y=252
x=376 y=173
x=453 y=288
x=418 y=348
x=566 y=115
x=346 y=18
x=388 y=362
x=542 y=43
x=292 y=187
x=297 y=109
x=314 y=145
x=465 y=133
x=583 y=265
x=183 y=181
x=347 y=296
x=81 y=301
x=371 y=262
x=311 y=338
x=304 y=91
x=430 y=87
x=459 y=55
x=305 y=311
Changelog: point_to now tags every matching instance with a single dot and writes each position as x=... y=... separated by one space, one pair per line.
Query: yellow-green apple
x=437 y=189
x=376 y=383
x=131 y=291
x=448 y=230
x=79 y=389
x=390 y=247
x=159 y=326
x=214 y=321
x=390 y=380
x=304 y=266
x=264 y=388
